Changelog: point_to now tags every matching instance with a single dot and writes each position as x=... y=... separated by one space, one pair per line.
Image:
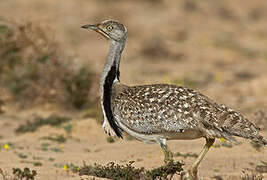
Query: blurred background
x=50 y=68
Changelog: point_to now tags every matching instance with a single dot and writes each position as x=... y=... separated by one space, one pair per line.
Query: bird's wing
x=163 y=108
x=154 y=108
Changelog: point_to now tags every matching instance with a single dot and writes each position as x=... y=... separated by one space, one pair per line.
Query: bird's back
x=165 y=109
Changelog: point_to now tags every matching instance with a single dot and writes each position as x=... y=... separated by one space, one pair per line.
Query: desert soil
x=216 y=47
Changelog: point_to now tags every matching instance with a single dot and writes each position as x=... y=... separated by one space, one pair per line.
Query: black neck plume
x=111 y=76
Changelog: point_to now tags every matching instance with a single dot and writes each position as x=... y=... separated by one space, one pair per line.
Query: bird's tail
x=254 y=136
x=259 y=140
x=234 y=124
x=248 y=130
x=252 y=133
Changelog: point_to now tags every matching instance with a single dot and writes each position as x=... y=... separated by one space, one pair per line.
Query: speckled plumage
x=170 y=111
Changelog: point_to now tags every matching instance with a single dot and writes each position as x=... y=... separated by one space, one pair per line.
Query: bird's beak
x=96 y=28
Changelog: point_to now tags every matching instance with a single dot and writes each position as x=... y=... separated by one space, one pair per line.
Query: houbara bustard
x=160 y=112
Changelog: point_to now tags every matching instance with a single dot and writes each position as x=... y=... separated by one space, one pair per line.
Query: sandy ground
x=87 y=143
x=221 y=46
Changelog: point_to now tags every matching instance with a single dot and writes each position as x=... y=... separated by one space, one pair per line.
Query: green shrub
x=53 y=120
x=129 y=172
x=34 y=70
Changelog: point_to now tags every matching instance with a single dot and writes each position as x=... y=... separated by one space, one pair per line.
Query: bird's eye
x=109 y=28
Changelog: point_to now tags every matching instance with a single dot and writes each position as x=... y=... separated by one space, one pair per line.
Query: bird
x=157 y=113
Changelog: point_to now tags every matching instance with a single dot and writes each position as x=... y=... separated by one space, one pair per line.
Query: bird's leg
x=193 y=169
x=167 y=153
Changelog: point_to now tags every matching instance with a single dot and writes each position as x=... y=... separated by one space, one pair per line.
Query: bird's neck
x=111 y=72
x=110 y=75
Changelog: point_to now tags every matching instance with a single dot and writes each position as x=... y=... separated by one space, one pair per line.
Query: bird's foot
x=189 y=175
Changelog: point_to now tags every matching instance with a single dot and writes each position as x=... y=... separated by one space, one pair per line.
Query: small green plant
x=44 y=146
x=23 y=156
x=129 y=172
x=68 y=128
x=56 y=149
x=51 y=159
x=72 y=167
x=194 y=155
x=110 y=140
x=57 y=138
x=37 y=158
x=53 y=120
x=25 y=174
x=37 y=163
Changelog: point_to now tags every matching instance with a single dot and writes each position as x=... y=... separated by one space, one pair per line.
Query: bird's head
x=110 y=29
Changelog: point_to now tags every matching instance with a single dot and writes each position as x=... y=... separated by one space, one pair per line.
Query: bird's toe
x=189 y=175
